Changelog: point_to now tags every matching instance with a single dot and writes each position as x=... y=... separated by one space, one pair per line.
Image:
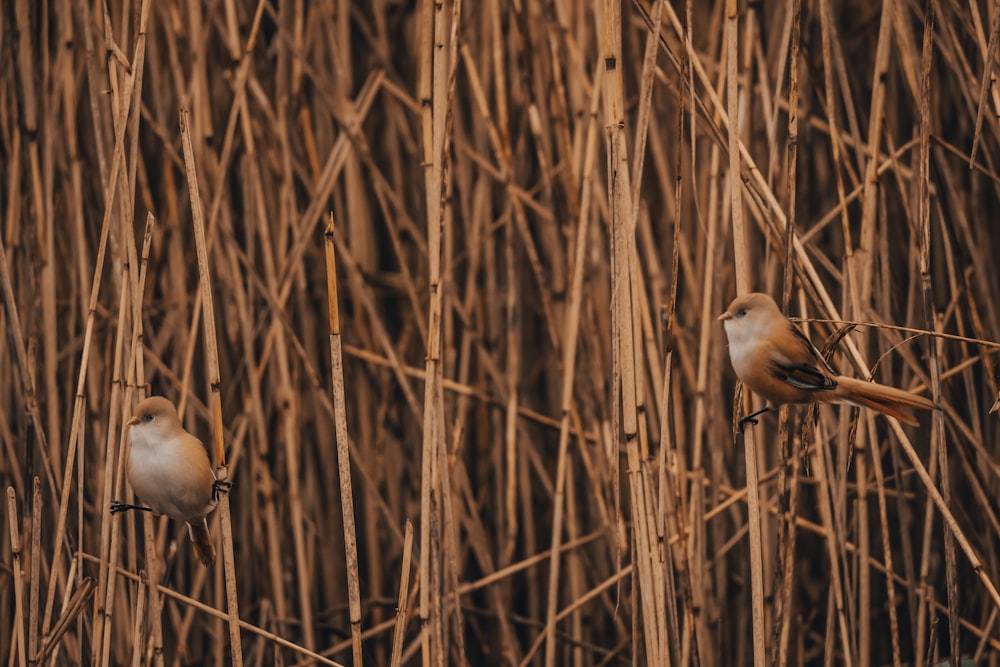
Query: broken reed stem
x=215 y=389
x=140 y=617
x=343 y=450
x=73 y=606
x=18 y=576
x=36 y=555
x=403 y=605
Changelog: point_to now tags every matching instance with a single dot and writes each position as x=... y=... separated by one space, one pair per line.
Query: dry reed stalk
x=626 y=353
x=933 y=319
x=140 y=617
x=569 y=370
x=343 y=451
x=136 y=379
x=789 y=483
x=114 y=476
x=435 y=91
x=887 y=551
x=864 y=443
x=743 y=285
x=73 y=606
x=429 y=607
x=403 y=606
x=215 y=389
x=828 y=37
x=15 y=553
x=34 y=565
x=693 y=556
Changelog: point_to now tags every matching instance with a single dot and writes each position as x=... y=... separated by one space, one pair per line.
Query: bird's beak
x=725 y=316
x=133 y=421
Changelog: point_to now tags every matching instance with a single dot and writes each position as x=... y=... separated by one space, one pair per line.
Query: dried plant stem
x=744 y=285
x=343 y=451
x=215 y=387
x=15 y=552
x=887 y=553
x=140 y=616
x=569 y=372
x=403 y=607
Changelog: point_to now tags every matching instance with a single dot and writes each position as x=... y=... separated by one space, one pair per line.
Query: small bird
x=775 y=360
x=169 y=470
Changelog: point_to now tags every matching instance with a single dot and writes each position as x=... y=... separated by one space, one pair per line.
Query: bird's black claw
x=220 y=486
x=752 y=418
x=118 y=506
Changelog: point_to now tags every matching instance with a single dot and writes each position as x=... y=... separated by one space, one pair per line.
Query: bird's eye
x=146 y=418
x=741 y=312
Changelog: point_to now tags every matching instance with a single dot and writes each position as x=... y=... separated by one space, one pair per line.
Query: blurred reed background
x=533 y=216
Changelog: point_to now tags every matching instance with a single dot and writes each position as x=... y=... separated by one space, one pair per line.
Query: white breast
x=172 y=476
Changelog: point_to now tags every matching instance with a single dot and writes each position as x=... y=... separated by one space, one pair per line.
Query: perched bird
x=775 y=360
x=169 y=470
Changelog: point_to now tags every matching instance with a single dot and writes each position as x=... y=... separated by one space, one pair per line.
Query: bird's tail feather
x=201 y=541
x=887 y=400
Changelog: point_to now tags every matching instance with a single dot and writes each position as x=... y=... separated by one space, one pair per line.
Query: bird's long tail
x=201 y=541
x=887 y=400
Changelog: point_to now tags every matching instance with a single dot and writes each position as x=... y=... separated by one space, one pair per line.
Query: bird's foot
x=220 y=486
x=118 y=506
x=752 y=418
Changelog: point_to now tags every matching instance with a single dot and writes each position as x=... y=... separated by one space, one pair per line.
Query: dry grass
x=478 y=248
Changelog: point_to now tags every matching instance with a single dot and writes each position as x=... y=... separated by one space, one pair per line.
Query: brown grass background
x=533 y=211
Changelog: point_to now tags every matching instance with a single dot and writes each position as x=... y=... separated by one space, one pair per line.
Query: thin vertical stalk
x=626 y=327
x=886 y=527
x=403 y=606
x=837 y=623
x=743 y=285
x=435 y=90
x=215 y=387
x=18 y=576
x=140 y=618
x=343 y=451
x=568 y=382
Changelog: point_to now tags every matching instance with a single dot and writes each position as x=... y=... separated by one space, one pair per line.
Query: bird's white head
x=750 y=317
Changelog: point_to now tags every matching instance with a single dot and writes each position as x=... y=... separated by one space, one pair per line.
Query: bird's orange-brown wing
x=800 y=364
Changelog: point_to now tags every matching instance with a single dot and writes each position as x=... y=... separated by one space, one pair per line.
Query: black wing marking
x=803 y=376
x=813 y=375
